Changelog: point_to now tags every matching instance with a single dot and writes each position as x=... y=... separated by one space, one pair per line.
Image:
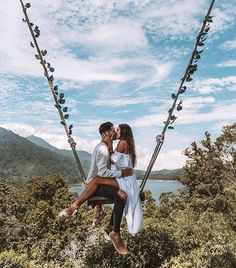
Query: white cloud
x=227 y=63
x=192 y=115
x=229 y=45
x=210 y=85
x=119 y=35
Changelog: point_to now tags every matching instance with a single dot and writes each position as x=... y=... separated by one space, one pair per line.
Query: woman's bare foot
x=68 y=212
x=122 y=194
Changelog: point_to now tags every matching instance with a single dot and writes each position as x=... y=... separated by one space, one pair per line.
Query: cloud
x=227 y=63
x=229 y=45
x=192 y=115
x=210 y=85
x=122 y=34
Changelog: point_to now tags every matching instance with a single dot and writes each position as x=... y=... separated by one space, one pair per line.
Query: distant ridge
x=21 y=159
x=41 y=142
x=24 y=158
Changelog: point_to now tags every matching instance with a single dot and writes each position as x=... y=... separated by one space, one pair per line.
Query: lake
x=156 y=187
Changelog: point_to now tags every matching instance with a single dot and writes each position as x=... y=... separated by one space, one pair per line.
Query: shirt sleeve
x=102 y=160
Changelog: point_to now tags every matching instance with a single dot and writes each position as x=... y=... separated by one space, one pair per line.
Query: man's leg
x=119 y=204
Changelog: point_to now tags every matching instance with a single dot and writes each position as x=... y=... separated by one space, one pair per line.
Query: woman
x=123 y=157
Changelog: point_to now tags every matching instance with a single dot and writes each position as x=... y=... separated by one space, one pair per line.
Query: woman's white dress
x=133 y=208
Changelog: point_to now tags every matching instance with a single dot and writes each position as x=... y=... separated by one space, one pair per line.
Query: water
x=156 y=187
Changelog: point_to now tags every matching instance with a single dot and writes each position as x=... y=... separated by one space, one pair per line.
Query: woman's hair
x=127 y=135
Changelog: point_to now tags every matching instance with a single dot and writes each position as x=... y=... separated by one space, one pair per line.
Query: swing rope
x=59 y=98
x=191 y=68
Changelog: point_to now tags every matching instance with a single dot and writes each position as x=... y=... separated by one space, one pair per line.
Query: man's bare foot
x=118 y=243
x=122 y=194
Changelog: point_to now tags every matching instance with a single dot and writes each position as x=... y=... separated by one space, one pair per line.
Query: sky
x=119 y=61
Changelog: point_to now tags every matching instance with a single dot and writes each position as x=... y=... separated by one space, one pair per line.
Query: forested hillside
x=21 y=160
x=196 y=228
x=25 y=158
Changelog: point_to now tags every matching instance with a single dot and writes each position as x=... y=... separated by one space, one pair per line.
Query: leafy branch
x=59 y=97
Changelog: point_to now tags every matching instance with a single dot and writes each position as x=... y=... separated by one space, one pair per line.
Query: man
x=101 y=166
x=102 y=182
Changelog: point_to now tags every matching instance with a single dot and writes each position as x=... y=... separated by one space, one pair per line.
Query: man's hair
x=105 y=127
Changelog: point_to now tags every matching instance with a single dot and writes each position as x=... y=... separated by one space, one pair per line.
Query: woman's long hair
x=127 y=135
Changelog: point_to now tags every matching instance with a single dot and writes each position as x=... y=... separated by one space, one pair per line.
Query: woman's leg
x=91 y=189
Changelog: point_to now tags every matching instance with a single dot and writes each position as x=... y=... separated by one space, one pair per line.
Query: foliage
x=195 y=228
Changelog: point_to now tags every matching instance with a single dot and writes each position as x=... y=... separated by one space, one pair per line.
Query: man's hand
x=127 y=172
x=108 y=140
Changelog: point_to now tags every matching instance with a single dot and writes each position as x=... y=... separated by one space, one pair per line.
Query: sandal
x=64 y=214
x=97 y=220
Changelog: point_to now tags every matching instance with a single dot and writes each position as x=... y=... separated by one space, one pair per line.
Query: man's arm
x=102 y=158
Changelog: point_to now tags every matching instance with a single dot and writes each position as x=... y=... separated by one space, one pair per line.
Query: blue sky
x=119 y=61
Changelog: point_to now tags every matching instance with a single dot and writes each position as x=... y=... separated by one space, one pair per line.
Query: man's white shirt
x=101 y=163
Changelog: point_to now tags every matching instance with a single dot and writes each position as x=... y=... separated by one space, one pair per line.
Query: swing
x=60 y=101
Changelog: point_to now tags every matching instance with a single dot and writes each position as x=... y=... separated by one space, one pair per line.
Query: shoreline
x=78 y=185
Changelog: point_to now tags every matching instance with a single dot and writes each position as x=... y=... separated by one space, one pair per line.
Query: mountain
x=68 y=153
x=25 y=158
x=20 y=160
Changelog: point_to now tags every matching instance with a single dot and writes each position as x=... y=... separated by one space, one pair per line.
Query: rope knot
x=72 y=142
x=160 y=138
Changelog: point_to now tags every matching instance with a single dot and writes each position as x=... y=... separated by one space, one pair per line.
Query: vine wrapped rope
x=59 y=99
x=191 y=68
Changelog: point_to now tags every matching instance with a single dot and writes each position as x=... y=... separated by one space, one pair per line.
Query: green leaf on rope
x=65 y=109
x=71 y=126
x=36 y=29
x=170 y=127
x=51 y=78
x=203 y=39
x=55 y=88
x=44 y=52
x=62 y=101
x=181 y=91
x=173 y=117
x=23 y=20
x=32 y=45
x=37 y=35
x=188 y=79
x=27 y=5
x=37 y=56
x=70 y=132
x=48 y=64
x=200 y=43
x=179 y=108
x=61 y=95
x=207 y=29
x=173 y=96
x=170 y=110
x=66 y=116
x=58 y=106
x=63 y=123
x=51 y=69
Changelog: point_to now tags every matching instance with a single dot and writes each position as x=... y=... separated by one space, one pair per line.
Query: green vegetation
x=196 y=228
x=22 y=159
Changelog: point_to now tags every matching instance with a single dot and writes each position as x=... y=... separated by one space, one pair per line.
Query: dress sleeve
x=102 y=158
